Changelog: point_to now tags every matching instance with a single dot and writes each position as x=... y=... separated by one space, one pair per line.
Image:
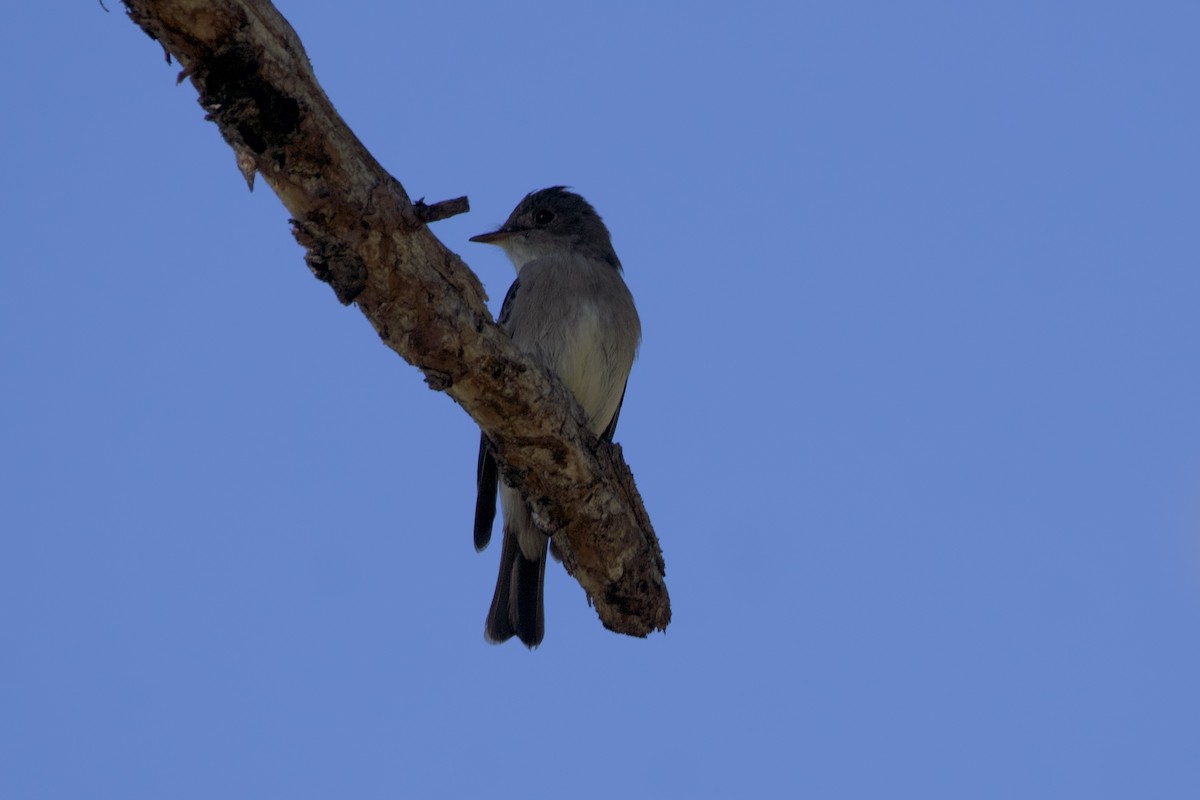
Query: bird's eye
x=543 y=217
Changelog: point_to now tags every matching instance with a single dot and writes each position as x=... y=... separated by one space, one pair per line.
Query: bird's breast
x=579 y=321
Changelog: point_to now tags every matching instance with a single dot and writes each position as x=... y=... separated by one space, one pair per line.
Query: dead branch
x=366 y=239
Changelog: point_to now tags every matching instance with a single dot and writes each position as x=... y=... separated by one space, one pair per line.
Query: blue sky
x=915 y=415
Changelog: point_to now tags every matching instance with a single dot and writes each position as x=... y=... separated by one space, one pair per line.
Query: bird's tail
x=517 y=608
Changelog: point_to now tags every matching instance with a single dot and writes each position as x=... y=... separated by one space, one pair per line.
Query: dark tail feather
x=517 y=608
x=485 y=497
x=526 y=606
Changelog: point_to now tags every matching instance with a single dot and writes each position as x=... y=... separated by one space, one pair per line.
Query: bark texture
x=366 y=239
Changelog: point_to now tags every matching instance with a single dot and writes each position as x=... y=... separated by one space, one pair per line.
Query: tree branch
x=366 y=239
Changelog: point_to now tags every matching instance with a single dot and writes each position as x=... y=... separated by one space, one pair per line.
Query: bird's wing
x=485 y=497
x=506 y=306
x=486 y=471
x=612 y=424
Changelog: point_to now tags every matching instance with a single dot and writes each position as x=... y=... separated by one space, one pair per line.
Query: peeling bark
x=370 y=243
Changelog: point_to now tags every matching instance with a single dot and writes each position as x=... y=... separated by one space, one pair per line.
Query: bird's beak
x=495 y=237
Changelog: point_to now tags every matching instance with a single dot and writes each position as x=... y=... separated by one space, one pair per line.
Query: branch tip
x=425 y=214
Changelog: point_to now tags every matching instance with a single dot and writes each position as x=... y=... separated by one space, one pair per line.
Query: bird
x=570 y=310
